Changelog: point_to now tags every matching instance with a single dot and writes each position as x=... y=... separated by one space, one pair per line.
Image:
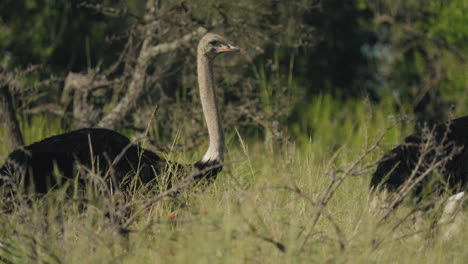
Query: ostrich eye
x=214 y=43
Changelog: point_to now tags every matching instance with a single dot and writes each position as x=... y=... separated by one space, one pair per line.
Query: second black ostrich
x=445 y=148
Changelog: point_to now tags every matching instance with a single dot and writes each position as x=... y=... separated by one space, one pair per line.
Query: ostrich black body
x=397 y=165
x=90 y=147
x=208 y=170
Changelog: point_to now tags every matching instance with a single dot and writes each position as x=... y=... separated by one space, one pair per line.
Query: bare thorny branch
x=334 y=184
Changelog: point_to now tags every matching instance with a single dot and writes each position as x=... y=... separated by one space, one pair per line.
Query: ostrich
x=406 y=168
x=445 y=148
x=110 y=151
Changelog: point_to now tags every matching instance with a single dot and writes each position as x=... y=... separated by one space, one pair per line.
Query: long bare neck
x=215 y=150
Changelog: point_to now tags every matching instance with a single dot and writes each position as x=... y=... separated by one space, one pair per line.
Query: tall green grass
x=259 y=210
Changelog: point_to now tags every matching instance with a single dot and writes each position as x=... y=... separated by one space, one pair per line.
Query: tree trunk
x=13 y=135
x=116 y=115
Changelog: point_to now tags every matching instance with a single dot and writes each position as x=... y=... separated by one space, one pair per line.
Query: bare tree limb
x=136 y=86
x=171 y=46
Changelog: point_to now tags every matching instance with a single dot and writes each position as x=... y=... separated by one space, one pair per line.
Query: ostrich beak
x=227 y=48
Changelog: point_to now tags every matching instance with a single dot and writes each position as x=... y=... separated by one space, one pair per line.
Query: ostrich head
x=213 y=44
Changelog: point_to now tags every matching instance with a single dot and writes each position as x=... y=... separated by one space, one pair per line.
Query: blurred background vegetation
x=306 y=67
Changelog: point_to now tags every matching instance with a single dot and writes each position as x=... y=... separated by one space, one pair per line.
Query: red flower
x=171 y=216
